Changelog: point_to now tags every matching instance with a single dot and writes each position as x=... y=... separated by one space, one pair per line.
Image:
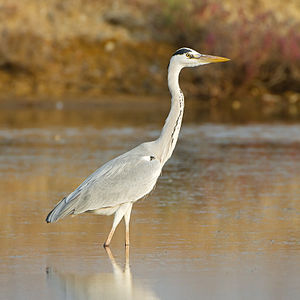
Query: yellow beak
x=211 y=59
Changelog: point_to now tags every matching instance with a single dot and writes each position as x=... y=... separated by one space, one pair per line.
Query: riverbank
x=86 y=49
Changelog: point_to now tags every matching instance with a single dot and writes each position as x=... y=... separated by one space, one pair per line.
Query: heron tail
x=61 y=210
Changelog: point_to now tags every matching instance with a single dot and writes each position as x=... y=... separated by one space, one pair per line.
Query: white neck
x=169 y=135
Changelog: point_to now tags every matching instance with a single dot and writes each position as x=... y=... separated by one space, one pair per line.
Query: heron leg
x=127 y=220
x=118 y=217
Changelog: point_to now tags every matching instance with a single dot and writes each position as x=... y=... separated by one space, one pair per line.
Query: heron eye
x=189 y=55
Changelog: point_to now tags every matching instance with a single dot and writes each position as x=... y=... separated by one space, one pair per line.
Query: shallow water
x=222 y=223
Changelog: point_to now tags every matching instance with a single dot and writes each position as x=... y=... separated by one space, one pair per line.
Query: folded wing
x=126 y=178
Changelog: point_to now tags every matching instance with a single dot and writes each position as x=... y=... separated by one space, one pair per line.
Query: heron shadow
x=116 y=285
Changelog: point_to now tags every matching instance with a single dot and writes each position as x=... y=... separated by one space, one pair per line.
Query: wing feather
x=128 y=177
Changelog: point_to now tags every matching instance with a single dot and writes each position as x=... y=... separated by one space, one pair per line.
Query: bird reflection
x=116 y=285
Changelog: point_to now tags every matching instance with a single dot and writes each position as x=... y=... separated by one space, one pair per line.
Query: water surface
x=222 y=223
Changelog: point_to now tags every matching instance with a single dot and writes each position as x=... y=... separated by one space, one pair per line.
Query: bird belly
x=107 y=211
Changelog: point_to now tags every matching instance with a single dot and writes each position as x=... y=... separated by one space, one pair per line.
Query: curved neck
x=169 y=135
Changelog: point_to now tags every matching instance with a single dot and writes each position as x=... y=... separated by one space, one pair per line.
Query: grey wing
x=126 y=178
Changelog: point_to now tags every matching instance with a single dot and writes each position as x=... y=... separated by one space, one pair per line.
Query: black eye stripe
x=182 y=51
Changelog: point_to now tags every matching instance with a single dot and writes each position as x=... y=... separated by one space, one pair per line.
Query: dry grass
x=53 y=49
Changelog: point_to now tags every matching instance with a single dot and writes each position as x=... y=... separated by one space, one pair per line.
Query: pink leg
x=118 y=217
x=127 y=220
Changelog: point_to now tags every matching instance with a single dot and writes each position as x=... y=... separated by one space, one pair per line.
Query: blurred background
x=82 y=81
x=84 y=49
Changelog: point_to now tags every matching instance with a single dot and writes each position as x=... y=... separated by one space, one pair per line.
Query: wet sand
x=222 y=223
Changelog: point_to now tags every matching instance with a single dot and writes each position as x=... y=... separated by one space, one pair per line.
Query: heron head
x=187 y=57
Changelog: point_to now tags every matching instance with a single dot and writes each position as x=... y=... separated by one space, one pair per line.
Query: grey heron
x=119 y=183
